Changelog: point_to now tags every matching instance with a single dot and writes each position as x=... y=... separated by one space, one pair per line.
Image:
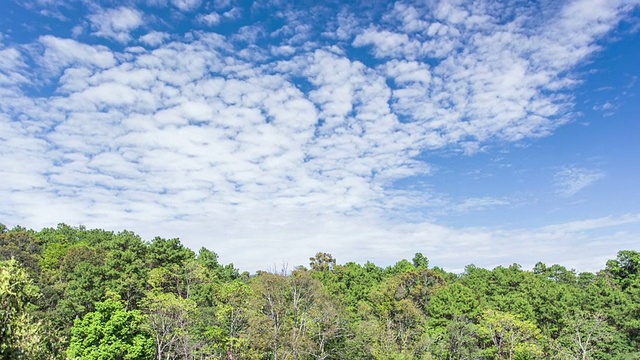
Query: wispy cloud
x=186 y=5
x=570 y=180
x=593 y=224
x=474 y=204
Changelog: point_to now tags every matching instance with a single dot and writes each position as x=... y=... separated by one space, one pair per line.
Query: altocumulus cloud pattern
x=268 y=131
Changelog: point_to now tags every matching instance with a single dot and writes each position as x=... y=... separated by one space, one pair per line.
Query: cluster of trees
x=75 y=293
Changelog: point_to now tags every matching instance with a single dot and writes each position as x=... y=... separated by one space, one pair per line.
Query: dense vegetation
x=75 y=293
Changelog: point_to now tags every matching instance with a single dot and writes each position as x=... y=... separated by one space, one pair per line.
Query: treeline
x=77 y=293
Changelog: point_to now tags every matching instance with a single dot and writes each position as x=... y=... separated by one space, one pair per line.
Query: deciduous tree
x=111 y=333
x=20 y=335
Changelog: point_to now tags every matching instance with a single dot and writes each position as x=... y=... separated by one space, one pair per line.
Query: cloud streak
x=571 y=180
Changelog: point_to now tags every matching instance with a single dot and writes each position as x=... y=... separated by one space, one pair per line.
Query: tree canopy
x=76 y=293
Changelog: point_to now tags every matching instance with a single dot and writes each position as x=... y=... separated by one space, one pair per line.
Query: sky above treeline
x=484 y=132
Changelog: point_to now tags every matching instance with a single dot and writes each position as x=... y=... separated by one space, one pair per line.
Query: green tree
x=550 y=299
x=420 y=261
x=288 y=319
x=584 y=335
x=501 y=289
x=461 y=338
x=400 y=267
x=20 y=335
x=451 y=302
x=556 y=273
x=604 y=295
x=625 y=268
x=327 y=327
x=82 y=271
x=169 y=321
x=398 y=314
x=232 y=302
x=322 y=262
x=126 y=272
x=162 y=252
x=511 y=337
x=209 y=261
x=21 y=245
x=351 y=283
x=270 y=323
x=111 y=333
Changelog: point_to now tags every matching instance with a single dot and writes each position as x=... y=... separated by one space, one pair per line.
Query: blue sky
x=471 y=131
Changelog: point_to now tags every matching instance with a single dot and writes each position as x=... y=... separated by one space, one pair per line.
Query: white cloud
x=592 y=224
x=77 y=31
x=570 y=180
x=388 y=44
x=116 y=24
x=408 y=72
x=61 y=53
x=186 y=5
x=154 y=38
x=475 y=204
x=347 y=26
x=12 y=67
x=210 y=19
x=491 y=79
x=409 y=17
x=232 y=14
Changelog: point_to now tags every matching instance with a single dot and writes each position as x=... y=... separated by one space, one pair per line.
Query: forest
x=76 y=293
